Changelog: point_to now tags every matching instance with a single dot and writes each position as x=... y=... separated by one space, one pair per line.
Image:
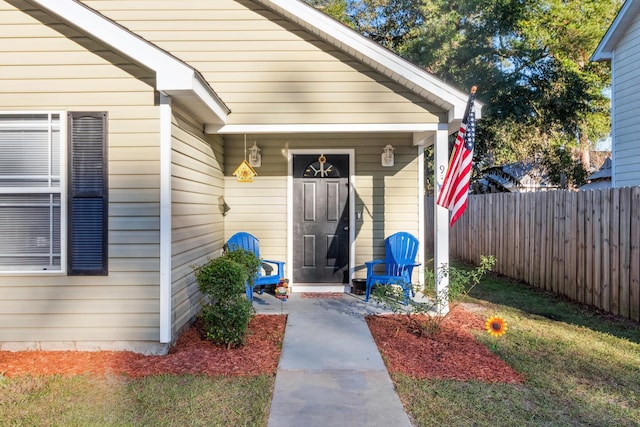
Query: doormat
x=321 y=295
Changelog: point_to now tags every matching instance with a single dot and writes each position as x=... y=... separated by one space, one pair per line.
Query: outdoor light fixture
x=255 y=158
x=387 y=155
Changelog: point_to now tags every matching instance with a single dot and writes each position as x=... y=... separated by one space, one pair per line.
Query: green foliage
x=248 y=260
x=227 y=324
x=337 y=9
x=461 y=281
x=563 y=169
x=221 y=278
x=227 y=314
x=529 y=59
x=434 y=303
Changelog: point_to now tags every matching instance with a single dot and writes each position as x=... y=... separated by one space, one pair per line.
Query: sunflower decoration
x=496 y=326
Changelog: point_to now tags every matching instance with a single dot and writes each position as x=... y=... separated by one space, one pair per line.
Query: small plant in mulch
x=227 y=313
x=424 y=315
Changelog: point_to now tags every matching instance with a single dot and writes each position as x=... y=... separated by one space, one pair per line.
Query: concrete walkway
x=330 y=371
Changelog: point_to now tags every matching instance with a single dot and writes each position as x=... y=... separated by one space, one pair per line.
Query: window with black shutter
x=87 y=229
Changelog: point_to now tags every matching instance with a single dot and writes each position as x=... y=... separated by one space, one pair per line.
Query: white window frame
x=62 y=118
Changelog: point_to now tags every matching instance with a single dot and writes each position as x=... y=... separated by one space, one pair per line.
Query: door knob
x=345 y=228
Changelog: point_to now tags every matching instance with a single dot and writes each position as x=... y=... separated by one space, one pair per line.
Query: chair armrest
x=370 y=265
x=280 y=265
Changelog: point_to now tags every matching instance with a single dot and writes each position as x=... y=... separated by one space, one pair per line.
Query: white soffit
x=173 y=77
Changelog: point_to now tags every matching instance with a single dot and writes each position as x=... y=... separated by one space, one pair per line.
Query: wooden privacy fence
x=584 y=245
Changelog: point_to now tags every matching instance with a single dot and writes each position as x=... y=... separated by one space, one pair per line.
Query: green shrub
x=221 y=278
x=227 y=324
x=227 y=314
x=460 y=284
x=246 y=258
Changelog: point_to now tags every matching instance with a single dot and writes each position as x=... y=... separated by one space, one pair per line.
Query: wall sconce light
x=255 y=158
x=387 y=156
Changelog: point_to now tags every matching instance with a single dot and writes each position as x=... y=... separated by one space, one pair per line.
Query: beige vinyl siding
x=197 y=221
x=626 y=79
x=267 y=70
x=388 y=197
x=43 y=70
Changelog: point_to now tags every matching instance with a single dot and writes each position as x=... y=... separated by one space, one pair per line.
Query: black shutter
x=87 y=222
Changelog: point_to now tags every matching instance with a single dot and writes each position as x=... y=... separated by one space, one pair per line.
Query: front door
x=321 y=218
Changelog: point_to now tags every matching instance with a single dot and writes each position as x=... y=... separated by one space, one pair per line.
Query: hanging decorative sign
x=244 y=172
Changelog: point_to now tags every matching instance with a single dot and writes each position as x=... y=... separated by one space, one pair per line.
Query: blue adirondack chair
x=250 y=243
x=400 y=258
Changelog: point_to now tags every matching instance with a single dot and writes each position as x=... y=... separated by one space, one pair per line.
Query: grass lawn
x=165 y=400
x=582 y=368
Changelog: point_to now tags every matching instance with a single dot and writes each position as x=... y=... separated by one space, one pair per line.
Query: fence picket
x=605 y=278
x=588 y=248
x=615 y=253
x=634 y=256
x=596 y=253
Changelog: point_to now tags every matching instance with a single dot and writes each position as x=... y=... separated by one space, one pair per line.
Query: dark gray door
x=320 y=218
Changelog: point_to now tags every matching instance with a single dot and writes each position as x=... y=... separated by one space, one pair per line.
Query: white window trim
x=63 y=195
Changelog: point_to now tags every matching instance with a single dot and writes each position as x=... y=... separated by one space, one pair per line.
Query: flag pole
x=455 y=187
x=465 y=116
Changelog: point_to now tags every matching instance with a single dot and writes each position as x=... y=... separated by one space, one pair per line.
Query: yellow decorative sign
x=244 y=172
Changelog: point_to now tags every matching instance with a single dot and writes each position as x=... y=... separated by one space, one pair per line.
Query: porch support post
x=165 y=219
x=420 y=139
x=441 y=223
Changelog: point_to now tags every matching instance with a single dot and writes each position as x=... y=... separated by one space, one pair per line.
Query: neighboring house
x=122 y=122
x=515 y=177
x=621 y=46
x=600 y=179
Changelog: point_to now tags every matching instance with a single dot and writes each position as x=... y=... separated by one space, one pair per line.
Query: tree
x=529 y=59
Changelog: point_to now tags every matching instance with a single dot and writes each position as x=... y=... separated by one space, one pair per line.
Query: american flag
x=453 y=193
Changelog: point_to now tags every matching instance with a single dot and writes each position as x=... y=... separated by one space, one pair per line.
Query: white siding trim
x=421 y=215
x=322 y=128
x=165 y=219
x=352 y=206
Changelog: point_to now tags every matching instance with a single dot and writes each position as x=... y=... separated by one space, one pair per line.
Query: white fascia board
x=625 y=16
x=322 y=128
x=171 y=73
x=210 y=98
x=366 y=50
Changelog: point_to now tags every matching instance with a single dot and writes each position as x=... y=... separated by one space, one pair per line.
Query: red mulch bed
x=192 y=354
x=452 y=353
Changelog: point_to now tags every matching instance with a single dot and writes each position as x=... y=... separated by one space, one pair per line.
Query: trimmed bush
x=228 y=313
